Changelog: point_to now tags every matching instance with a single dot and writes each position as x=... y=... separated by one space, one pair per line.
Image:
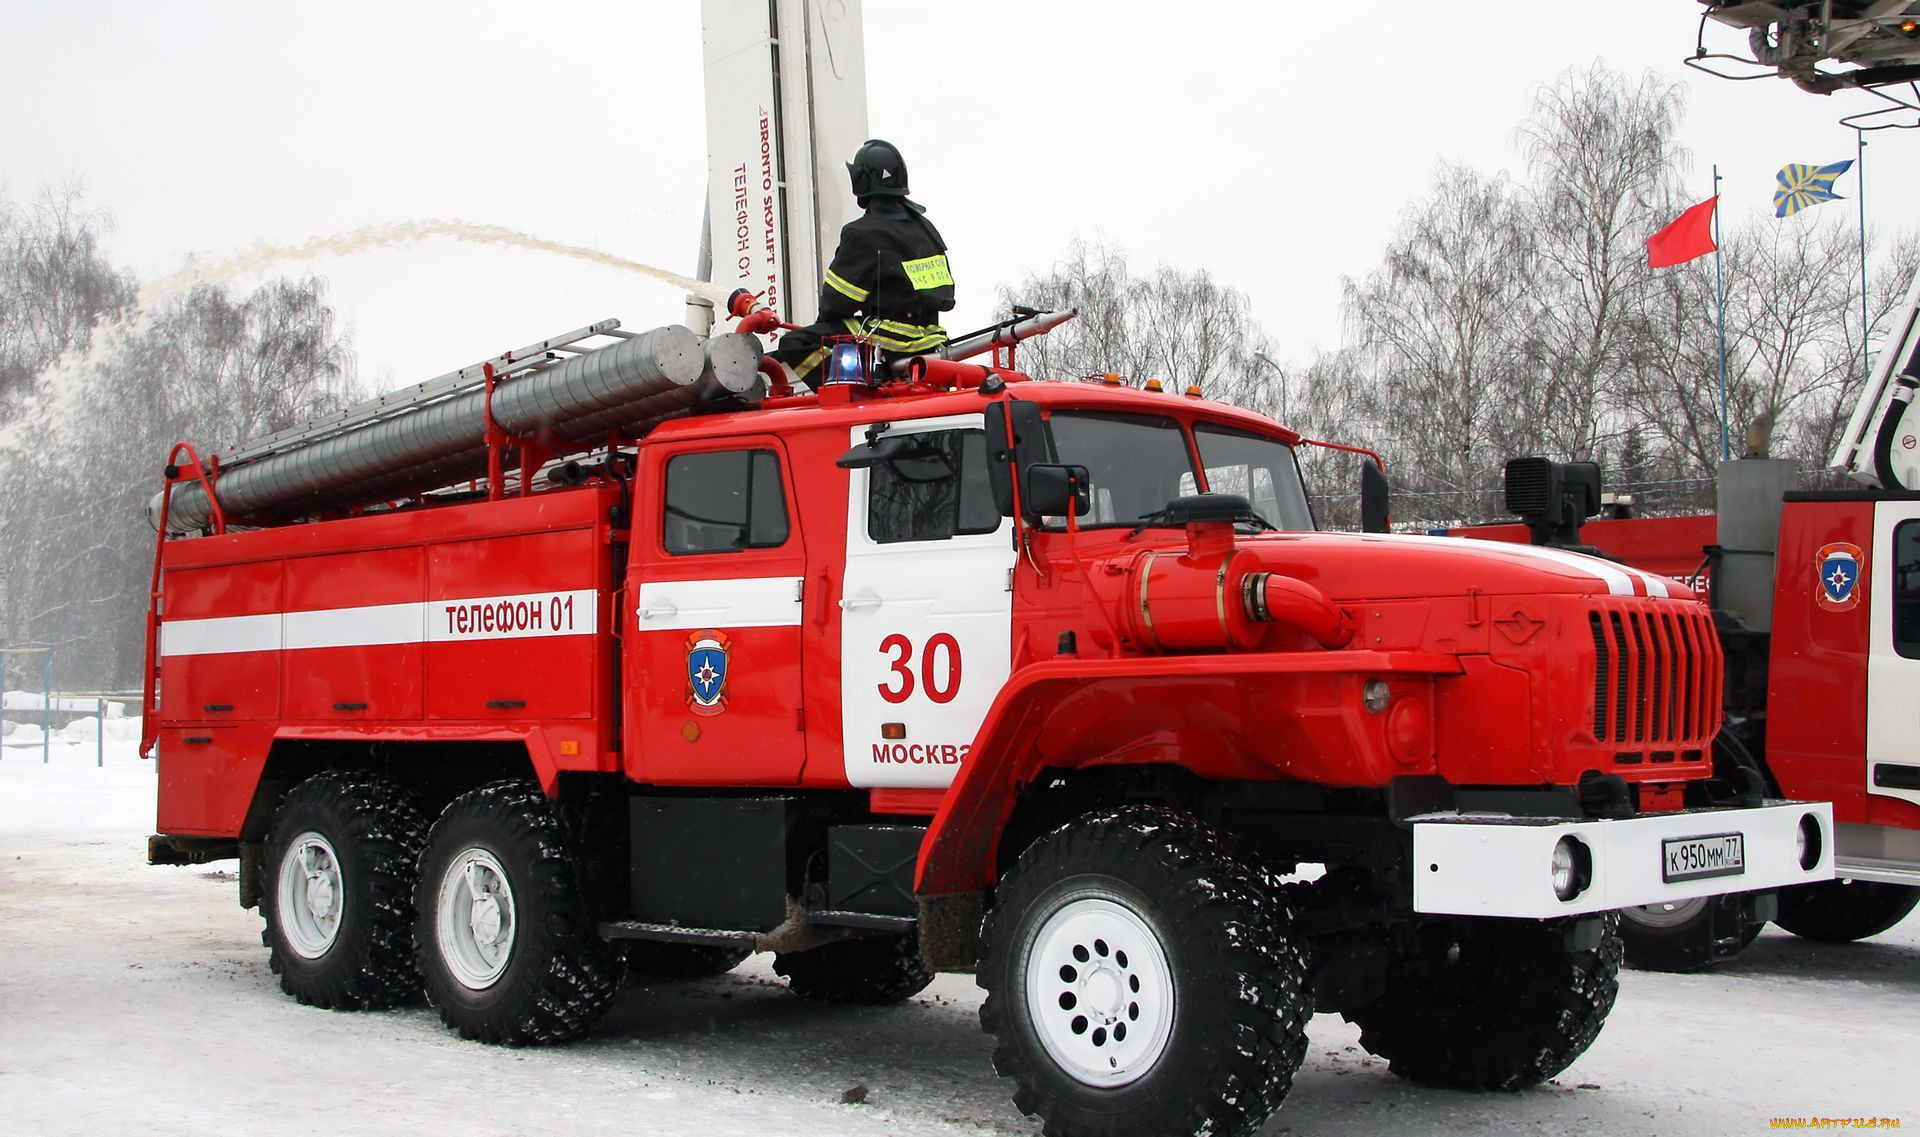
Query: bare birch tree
x=1443 y=327
x=208 y=366
x=1792 y=342
x=55 y=285
x=1603 y=166
x=1182 y=327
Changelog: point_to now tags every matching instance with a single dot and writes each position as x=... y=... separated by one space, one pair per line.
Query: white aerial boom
x=786 y=92
x=1881 y=446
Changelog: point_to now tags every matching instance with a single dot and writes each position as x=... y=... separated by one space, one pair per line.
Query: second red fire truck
x=1816 y=599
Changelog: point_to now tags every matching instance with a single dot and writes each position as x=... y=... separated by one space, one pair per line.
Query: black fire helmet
x=877 y=169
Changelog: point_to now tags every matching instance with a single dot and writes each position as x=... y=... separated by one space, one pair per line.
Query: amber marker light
x=893 y=731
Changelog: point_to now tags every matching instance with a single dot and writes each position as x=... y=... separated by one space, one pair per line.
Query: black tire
x=1691 y=935
x=1841 y=911
x=868 y=970
x=542 y=974
x=351 y=841
x=655 y=960
x=1485 y=1004
x=1213 y=941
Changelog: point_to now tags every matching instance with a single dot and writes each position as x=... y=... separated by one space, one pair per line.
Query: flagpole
x=1866 y=370
x=1720 y=305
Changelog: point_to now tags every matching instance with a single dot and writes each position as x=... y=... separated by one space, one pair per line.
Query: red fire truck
x=938 y=669
x=610 y=655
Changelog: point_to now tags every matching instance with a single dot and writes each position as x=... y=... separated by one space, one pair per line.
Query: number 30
x=941 y=688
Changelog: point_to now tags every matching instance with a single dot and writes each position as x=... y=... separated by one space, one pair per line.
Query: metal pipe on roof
x=627 y=386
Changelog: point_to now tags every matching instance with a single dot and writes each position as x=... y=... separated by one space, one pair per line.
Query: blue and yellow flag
x=1803 y=185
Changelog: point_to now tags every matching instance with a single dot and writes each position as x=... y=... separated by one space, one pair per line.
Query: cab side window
x=1906 y=589
x=940 y=491
x=724 y=501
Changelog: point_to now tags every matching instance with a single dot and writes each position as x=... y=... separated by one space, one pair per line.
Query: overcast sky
x=1275 y=144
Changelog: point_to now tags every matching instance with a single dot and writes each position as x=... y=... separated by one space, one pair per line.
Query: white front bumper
x=1496 y=865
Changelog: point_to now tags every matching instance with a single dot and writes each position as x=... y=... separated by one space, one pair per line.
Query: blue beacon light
x=848 y=364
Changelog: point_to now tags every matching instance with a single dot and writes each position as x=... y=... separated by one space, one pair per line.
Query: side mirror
x=1049 y=490
x=887 y=448
x=1375 y=495
x=912 y=457
x=1029 y=446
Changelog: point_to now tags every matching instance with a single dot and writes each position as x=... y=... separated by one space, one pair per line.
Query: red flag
x=1688 y=237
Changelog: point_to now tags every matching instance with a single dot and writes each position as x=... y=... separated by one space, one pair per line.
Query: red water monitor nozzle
x=753 y=316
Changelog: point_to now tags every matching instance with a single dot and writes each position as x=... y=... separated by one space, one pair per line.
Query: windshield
x=1134 y=463
x=1260 y=469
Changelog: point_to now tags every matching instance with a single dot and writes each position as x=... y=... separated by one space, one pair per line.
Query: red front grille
x=1656 y=676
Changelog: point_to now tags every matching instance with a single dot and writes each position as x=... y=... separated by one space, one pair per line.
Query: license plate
x=1696 y=858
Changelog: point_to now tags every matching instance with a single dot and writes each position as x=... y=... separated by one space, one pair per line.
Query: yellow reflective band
x=806 y=366
x=918 y=339
x=928 y=272
x=855 y=326
x=845 y=287
x=909 y=330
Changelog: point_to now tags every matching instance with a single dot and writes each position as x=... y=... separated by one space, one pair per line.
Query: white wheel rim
x=1100 y=992
x=1667 y=914
x=474 y=922
x=311 y=895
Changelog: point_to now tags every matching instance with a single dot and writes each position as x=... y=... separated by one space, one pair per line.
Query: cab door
x=926 y=606
x=1893 y=661
x=713 y=655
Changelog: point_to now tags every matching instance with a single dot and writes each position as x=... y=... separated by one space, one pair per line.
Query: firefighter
x=889 y=278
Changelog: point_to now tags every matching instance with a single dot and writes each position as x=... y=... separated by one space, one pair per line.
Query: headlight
x=1572 y=867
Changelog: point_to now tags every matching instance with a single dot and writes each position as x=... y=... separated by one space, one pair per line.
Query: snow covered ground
x=137 y=1000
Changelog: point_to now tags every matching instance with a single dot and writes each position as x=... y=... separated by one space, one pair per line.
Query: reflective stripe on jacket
x=892 y=268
